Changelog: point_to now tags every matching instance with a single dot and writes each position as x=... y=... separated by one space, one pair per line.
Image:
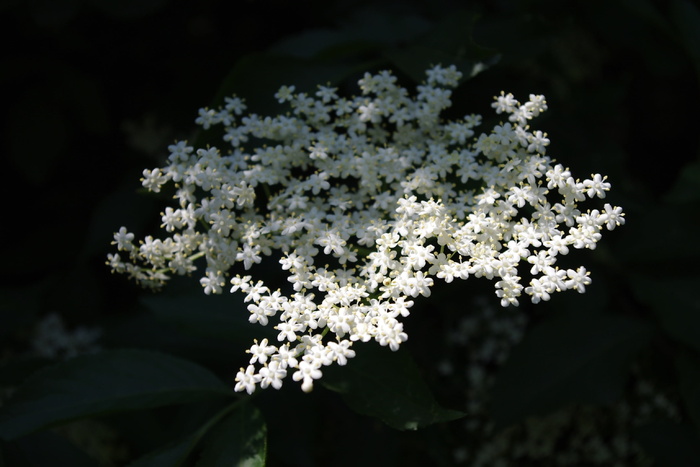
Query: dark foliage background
x=94 y=91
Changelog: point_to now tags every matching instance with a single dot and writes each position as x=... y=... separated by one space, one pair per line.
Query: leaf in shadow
x=387 y=385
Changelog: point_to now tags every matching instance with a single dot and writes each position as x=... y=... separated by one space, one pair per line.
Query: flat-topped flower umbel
x=366 y=201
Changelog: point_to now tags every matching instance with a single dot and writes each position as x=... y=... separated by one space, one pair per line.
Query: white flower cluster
x=367 y=200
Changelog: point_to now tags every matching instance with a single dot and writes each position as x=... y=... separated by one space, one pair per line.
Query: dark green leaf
x=15 y=372
x=670 y=444
x=173 y=455
x=110 y=381
x=387 y=385
x=185 y=431
x=240 y=439
x=575 y=358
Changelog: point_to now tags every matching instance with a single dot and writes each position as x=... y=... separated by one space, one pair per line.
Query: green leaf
x=575 y=358
x=173 y=455
x=178 y=451
x=237 y=438
x=670 y=444
x=16 y=371
x=110 y=381
x=240 y=439
x=387 y=385
x=676 y=308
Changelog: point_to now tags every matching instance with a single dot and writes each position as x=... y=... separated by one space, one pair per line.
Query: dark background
x=94 y=91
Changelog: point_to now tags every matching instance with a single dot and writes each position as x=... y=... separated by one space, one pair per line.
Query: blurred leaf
x=673 y=304
x=15 y=371
x=688 y=368
x=240 y=439
x=670 y=444
x=172 y=456
x=236 y=438
x=145 y=331
x=575 y=358
x=109 y=381
x=142 y=430
x=387 y=385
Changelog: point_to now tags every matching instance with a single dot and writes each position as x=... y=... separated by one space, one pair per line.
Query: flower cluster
x=365 y=202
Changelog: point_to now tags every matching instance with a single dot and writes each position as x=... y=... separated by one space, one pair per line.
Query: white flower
x=261 y=351
x=272 y=375
x=307 y=373
x=246 y=380
x=578 y=279
x=596 y=187
x=505 y=103
x=285 y=94
x=612 y=217
x=123 y=239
